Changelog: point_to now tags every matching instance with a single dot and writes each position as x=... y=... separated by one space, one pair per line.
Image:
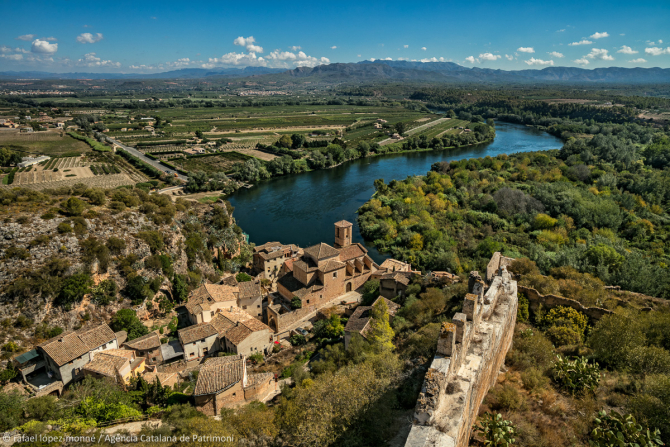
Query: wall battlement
x=470 y=352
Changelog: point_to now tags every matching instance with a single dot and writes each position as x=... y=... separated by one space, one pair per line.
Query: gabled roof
x=107 y=365
x=96 y=336
x=126 y=353
x=64 y=348
x=332 y=265
x=250 y=289
x=321 y=251
x=207 y=294
x=196 y=332
x=219 y=373
x=352 y=251
x=393 y=265
x=238 y=334
x=171 y=350
x=145 y=342
x=359 y=319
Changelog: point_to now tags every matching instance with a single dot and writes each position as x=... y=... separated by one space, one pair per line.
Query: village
x=226 y=323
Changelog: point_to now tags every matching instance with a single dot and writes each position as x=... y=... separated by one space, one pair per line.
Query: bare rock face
x=470 y=352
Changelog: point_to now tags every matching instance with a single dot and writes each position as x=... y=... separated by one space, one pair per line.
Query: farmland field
x=210 y=164
x=45 y=143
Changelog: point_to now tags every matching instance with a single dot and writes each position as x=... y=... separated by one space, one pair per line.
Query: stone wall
x=550 y=301
x=470 y=352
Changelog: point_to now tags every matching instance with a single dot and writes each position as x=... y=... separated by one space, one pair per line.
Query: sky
x=146 y=37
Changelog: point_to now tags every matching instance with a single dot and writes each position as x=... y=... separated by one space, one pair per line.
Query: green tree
x=285 y=141
x=381 y=334
x=179 y=288
x=74 y=288
x=11 y=407
x=296 y=303
x=126 y=320
x=73 y=206
x=400 y=127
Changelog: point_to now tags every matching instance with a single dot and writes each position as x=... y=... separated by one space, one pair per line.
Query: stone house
x=99 y=338
x=323 y=272
x=223 y=383
x=164 y=378
x=119 y=366
x=359 y=322
x=393 y=284
x=204 y=301
x=240 y=333
x=269 y=258
x=198 y=340
x=64 y=356
x=250 y=298
x=147 y=346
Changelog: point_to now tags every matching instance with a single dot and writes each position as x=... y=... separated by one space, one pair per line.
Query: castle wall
x=535 y=299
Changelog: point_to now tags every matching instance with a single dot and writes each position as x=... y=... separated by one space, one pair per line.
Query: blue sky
x=159 y=36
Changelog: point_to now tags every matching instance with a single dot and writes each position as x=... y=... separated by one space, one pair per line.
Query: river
x=301 y=209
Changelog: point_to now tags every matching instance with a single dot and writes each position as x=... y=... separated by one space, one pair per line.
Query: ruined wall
x=550 y=301
x=470 y=352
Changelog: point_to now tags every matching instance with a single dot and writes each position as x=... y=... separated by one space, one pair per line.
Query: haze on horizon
x=125 y=37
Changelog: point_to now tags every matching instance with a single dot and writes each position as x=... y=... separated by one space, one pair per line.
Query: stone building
x=198 y=340
x=65 y=356
x=323 y=272
x=118 y=364
x=223 y=382
x=147 y=346
x=269 y=258
x=240 y=333
x=359 y=321
x=250 y=298
x=204 y=301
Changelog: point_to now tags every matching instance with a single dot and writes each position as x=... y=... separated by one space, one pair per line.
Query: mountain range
x=379 y=70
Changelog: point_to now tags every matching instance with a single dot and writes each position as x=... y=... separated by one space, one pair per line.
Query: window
x=192 y=354
x=211 y=314
x=307 y=301
x=153 y=359
x=334 y=274
x=258 y=306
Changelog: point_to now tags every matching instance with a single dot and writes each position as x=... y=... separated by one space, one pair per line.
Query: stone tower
x=343 y=233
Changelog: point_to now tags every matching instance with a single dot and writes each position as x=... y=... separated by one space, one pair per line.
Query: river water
x=301 y=209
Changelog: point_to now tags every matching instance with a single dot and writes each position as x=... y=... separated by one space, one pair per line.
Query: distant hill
x=366 y=71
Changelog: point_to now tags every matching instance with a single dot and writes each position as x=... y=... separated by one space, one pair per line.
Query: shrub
x=74 y=288
x=116 y=245
x=296 y=303
x=531 y=349
x=73 y=206
x=614 y=338
x=561 y=335
x=507 y=397
x=564 y=325
x=256 y=358
x=576 y=376
x=297 y=340
x=495 y=430
x=523 y=312
x=534 y=380
x=242 y=277
x=614 y=429
x=64 y=228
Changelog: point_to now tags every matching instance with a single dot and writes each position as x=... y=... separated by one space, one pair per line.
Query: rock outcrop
x=470 y=352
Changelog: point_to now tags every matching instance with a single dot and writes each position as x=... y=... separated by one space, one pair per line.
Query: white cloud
x=5 y=49
x=248 y=43
x=424 y=48
x=358 y=55
x=42 y=46
x=627 y=50
x=600 y=54
x=405 y=46
x=296 y=48
x=582 y=61
x=51 y=39
x=660 y=41
x=655 y=51
x=89 y=38
x=489 y=57
x=471 y=59
x=387 y=59
x=581 y=42
x=509 y=57
x=91 y=60
x=555 y=54
x=599 y=35
x=560 y=30
x=533 y=61
x=334 y=47
x=281 y=55
x=432 y=59
x=26 y=37
x=526 y=50
x=639 y=60
x=12 y=57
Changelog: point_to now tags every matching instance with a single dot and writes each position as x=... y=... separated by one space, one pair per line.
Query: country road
x=155 y=163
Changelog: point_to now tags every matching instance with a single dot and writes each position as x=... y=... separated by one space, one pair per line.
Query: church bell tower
x=343 y=233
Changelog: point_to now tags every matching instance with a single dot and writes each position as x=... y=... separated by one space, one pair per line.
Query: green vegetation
x=95 y=145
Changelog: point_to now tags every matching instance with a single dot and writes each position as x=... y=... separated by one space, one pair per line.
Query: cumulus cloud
x=405 y=46
x=555 y=54
x=627 y=50
x=533 y=61
x=526 y=50
x=432 y=59
x=639 y=60
x=91 y=60
x=582 y=61
x=334 y=47
x=509 y=57
x=12 y=57
x=89 y=38
x=26 y=37
x=248 y=43
x=424 y=48
x=560 y=30
x=581 y=42
x=471 y=59
x=600 y=54
x=656 y=51
x=489 y=57
x=295 y=48
x=599 y=35
x=42 y=46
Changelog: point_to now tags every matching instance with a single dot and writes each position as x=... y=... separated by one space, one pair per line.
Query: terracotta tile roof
x=221 y=323
x=343 y=223
x=162 y=377
x=359 y=319
x=96 y=336
x=393 y=265
x=210 y=293
x=332 y=265
x=196 y=332
x=258 y=378
x=305 y=265
x=255 y=325
x=289 y=265
x=107 y=365
x=64 y=348
x=145 y=342
x=401 y=277
x=351 y=252
x=126 y=353
x=321 y=251
x=121 y=337
x=229 y=281
x=266 y=246
x=219 y=373
x=392 y=307
x=250 y=289
x=296 y=287
x=238 y=334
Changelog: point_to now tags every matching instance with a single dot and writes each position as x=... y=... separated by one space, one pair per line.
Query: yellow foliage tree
x=380 y=333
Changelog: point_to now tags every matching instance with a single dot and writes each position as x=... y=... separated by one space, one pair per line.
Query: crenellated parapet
x=471 y=350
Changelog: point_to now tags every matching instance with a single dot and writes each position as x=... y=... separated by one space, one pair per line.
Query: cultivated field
x=210 y=164
x=50 y=143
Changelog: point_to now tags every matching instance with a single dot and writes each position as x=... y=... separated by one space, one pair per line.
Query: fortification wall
x=470 y=352
x=550 y=301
